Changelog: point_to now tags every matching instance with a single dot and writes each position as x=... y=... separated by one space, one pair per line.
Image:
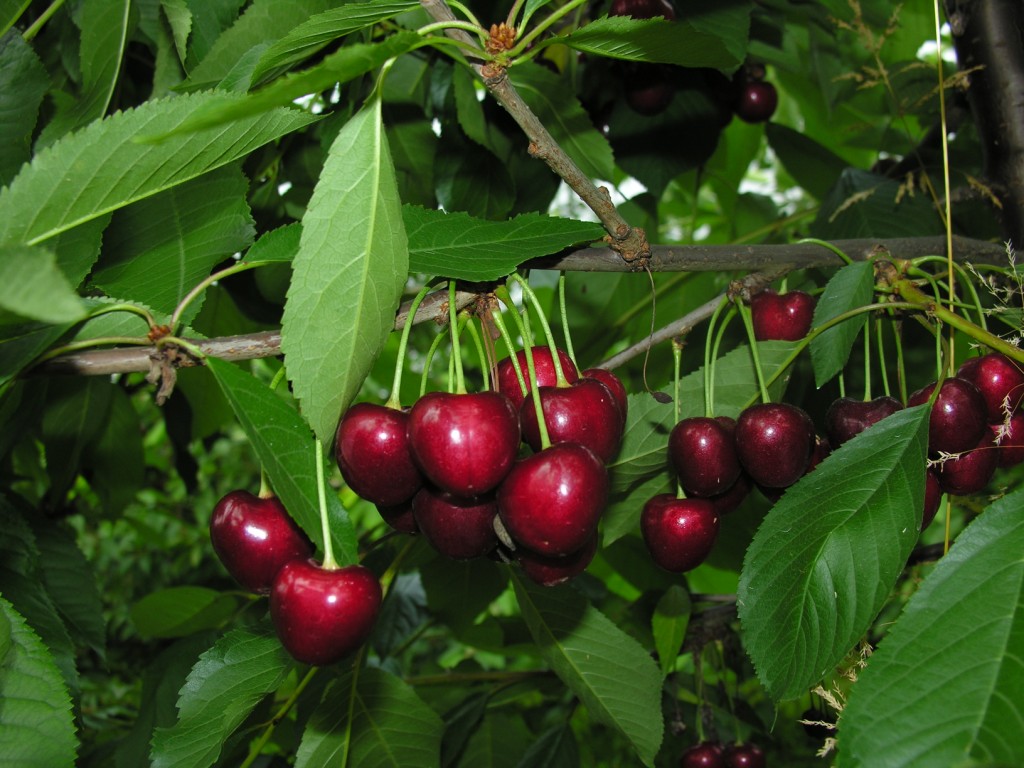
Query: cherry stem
x=560 y=380
x=453 y=326
x=474 y=335
x=677 y=360
x=841 y=378
x=901 y=364
x=714 y=354
x=395 y=400
x=542 y=426
x=880 y=346
x=563 y=310
x=830 y=246
x=867 y=359
x=431 y=351
x=754 y=352
x=499 y=321
x=709 y=407
x=389 y=575
x=266 y=491
x=966 y=280
x=525 y=41
x=329 y=563
x=201 y=286
x=280 y=715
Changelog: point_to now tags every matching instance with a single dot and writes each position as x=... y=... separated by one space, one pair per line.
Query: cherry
x=550 y=571
x=707 y=754
x=703 y=453
x=372 y=450
x=648 y=88
x=643 y=9
x=1011 y=444
x=615 y=386
x=551 y=501
x=457 y=527
x=785 y=317
x=756 y=102
x=774 y=443
x=998 y=378
x=399 y=516
x=744 y=756
x=464 y=443
x=584 y=413
x=957 y=420
x=254 y=538
x=679 y=533
x=729 y=500
x=508 y=384
x=320 y=614
x=847 y=417
x=814 y=727
x=970 y=471
x=932 y=497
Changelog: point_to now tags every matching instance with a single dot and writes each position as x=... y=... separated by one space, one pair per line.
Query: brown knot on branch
x=502 y=38
x=631 y=245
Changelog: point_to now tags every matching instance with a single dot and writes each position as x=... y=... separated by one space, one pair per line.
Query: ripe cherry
x=584 y=413
x=457 y=527
x=707 y=754
x=1011 y=440
x=679 y=533
x=785 y=317
x=957 y=420
x=550 y=571
x=703 y=453
x=254 y=538
x=615 y=386
x=643 y=9
x=372 y=450
x=399 y=516
x=774 y=443
x=756 y=101
x=321 y=615
x=508 y=383
x=999 y=379
x=970 y=471
x=932 y=497
x=848 y=417
x=744 y=756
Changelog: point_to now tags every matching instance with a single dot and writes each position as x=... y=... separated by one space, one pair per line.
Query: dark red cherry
x=1011 y=440
x=744 y=756
x=643 y=9
x=508 y=383
x=457 y=527
x=615 y=386
x=399 y=516
x=648 y=88
x=970 y=471
x=1000 y=381
x=783 y=317
x=702 y=451
x=254 y=538
x=550 y=571
x=774 y=443
x=372 y=450
x=707 y=754
x=679 y=533
x=932 y=497
x=848 y=417
x=757 y=101
x=584 y=413
x=731 y=499
x=957 y=420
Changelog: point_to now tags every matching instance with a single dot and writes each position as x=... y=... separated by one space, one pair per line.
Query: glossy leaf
x=607 y=669
x=286 y=450
x=224 y=686
x=181 y=611
x=461 y=246
x=102 y=167
x=805 y=601
x=277 y=245
x=25 y=84
x=669 y=623
x=36 y=724
x=959 y=640
x=371 y=718
x=348 y=276
x=33 y=287
x=849 y=288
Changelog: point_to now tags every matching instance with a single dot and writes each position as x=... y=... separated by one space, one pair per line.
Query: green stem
x=719 y=337
x=499 y=321
x=542 y=426
x=563 y=310
x=431 y=351
x=102 y=341
x=278 y=378
x=677 y=360
x=329 y=563
x=474 y=336
x=193 y=349
x=453 y=326
x=867 y=359
x=281 y=713
x=441 y=26
x=528 y=293
x=395 y=400
x=465 y=12
x=824 y=244
x=965 y=278
x=124 y=307
x=709 y=408
x=880 y=346
x=38 y=24
x=234 y=269
x=755 y=353
x=524 y=42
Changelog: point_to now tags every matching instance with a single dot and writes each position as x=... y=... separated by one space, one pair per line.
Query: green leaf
x=277 y=245
x=610 y=672
x=554 y=102
x=458 y=590
x=156 y=250
x=959 y=641
x=179 y=19
x=36 y=724
x=498 y=742
x=32 y=286
x=224 y=686
x=348 y=276
x=460 y=723
x=116 y=461
x=10 y=12
x=669 y=623
x=805 y=601
x=25 y=84
x=286 y=451
x=460 y=246
x=555 y=748
x=815 y=167
x=851 y=287
x=321 y=30
x=371 y=719
x=21 y=344
x=102 y=167
x=659 y=41
x=181 y=611
x=76 y=414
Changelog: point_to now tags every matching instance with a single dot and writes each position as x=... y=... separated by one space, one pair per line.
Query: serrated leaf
x=10 y=12
x=498 y=742
x=348 y=276
x=321 y=30
x=371 y=719
x=156 y=250
x=959 y=640
x=36 y=724
x=102 y=167
x=179 y=18
x=814 y=166
x=460 y=722
x=224 y=686
x=75 y=416
x=116 y=461
x=458 y=590
x=669 y=623
x=849 y=288
x=23 y=343
x=286 y=451
x=555 y=104
x=32 y=286
x=277 y=245
x=656 y=41
x=805 y=600
x=555 y=748
x=610 y=672
x=460 y=246
x=181 y=611
x=25 y=84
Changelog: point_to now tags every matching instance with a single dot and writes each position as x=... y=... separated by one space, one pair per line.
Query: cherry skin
x=544 y=368
x=399 y=516
x=615 y=386
x=643 y=9
x=932 y=497
x=774 y=442
x=970 y=471
x=679 y=533
x=957 y=420
x=998 y=378
x=703 y=453
x=584 y=413
x=457 y=527
x=322 y=615
x=254 y=538
x=707 y=754
x=783 y=317
x=1011 y=443
x=744 y=756
x=848 y=417
x=756 y=102
x=372 y=450
x=731 y=499
x=648 y=88
x=551 y=501
x=551 y=571
x=464 y=443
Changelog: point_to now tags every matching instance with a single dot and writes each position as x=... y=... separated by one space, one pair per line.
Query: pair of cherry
x=711 y=754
